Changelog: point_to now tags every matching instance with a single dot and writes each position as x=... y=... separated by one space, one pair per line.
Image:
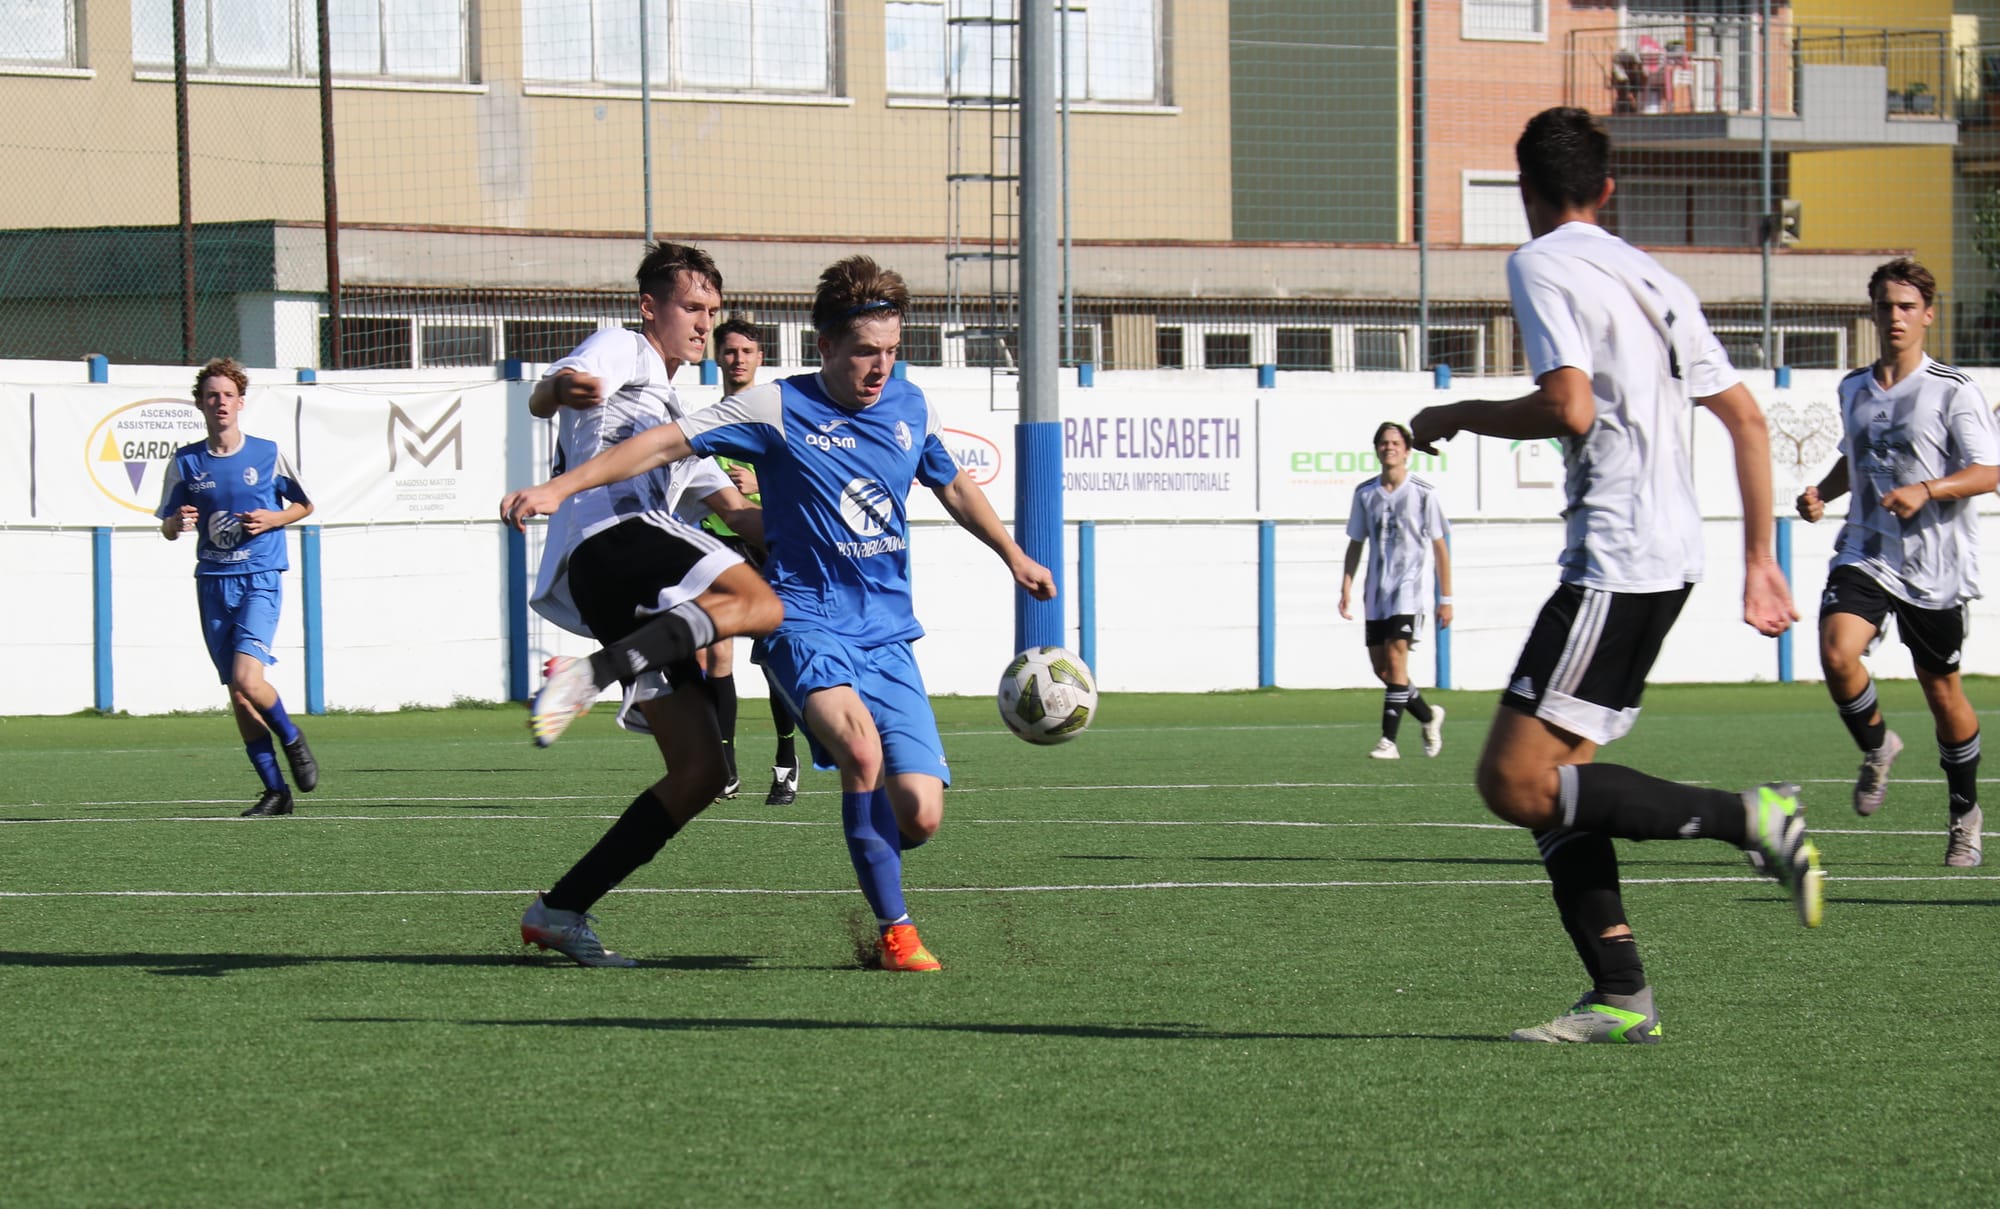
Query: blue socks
x=279 y=721
x=876 y=850
x=264 y=758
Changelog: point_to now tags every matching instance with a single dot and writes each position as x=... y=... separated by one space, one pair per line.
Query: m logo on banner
x=427 y=444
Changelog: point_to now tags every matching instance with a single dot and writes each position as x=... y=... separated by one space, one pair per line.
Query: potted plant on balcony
x=1917 y=98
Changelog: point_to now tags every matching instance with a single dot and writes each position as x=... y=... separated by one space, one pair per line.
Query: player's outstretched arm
x=1767 y=598
x=630 y=458
x=969 y=506
x=739 y=514
x=565 y=388
x=1561 y=405
x=1911 y=498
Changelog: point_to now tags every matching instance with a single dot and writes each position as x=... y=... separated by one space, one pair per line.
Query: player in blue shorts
x=836 y=453
x=237 y=493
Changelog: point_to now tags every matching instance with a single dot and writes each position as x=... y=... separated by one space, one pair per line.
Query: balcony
x=1696 y=85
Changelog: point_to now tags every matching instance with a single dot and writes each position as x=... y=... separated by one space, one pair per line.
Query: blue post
x=1785 y=565
x=513 y=369
x=900 y=370
x=1441 y=376
x=1443 y=636
x=711 y=373
x=1086 y=375
x=308 y=376
x=1086 y=593
x=1038 y=526
x=517 y=615
x=1783 y=377
x=100 y=607
x=1267 y=604
x=100 y=367
x=309 y=570
x=1267 y=377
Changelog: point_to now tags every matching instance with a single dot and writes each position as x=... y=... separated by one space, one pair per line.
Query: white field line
x=1089 y=887
x=708 y=820
x=964 y=791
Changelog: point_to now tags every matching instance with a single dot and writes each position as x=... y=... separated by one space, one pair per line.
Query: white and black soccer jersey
x=1399 y=527
x=638 y=395
x=1933 y=423
x=1585 y=298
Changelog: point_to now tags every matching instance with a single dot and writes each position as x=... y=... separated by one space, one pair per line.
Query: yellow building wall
x=1893 y=199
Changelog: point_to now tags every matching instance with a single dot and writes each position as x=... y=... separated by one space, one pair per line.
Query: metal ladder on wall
x=982 y=248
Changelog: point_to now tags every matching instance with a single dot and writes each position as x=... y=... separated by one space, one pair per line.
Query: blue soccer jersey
x=836 y=484
x=223 y=487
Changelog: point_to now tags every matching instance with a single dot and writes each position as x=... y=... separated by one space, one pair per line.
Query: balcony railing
x=1706 y=64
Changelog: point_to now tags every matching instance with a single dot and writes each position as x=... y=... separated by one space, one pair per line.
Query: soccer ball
x=1047 y=695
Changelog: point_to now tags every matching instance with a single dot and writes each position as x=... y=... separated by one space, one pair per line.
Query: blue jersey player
x=236 y=493
x=836 y=453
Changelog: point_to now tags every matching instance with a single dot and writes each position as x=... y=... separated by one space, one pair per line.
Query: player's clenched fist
x=1811 y=507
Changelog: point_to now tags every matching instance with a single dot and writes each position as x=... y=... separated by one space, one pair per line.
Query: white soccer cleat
x=1871 y=784
x=1384 y=749
x=1434 y=731
x=1962 y=842
x=566 y=695
x=568 y=933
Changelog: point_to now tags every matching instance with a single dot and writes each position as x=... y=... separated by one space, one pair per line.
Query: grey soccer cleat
x=1871 y=784
x=1961 y=848
x=1434 y=731
x=1598 y=1018
x=1384 y=749
x=566 y=695
x=1775 y=823
x=568 y=933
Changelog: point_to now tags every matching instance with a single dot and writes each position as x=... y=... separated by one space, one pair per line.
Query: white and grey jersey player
x=1399 y=527
x=1586 y=299
x=1931 y=424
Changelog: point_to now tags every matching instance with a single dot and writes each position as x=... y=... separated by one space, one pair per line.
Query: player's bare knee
x=1516 y=793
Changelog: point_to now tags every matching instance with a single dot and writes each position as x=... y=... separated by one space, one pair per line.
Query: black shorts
x=1585 y=665
x=1936 y=637
x=626 y=575
x=1380 y=631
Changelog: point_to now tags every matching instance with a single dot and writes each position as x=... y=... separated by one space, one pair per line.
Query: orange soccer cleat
x=901 y=950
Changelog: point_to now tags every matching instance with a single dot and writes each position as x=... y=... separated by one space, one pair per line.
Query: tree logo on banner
x=127 y=452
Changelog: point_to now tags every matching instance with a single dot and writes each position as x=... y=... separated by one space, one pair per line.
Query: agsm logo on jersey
x=867 y=507
x=127 y=452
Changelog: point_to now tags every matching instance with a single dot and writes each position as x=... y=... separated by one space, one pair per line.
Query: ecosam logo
x=978 y=457
x=1358 y=461
x=127 y=452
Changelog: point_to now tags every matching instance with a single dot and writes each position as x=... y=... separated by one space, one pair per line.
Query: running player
x=1923 y=440
x=237 y=493
x=620 y=565
x=836 y=454
x=1620 y=352
x=1399 y=513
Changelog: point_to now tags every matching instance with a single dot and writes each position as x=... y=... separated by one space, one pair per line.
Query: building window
x=39 y=32
x=923 y=344
x=1505 y=20
x=781 y=46
x=1169 y=348
x=395 y=39
x=935 y=46
x=544 y=340
x=1380 y=348
x=1225 y=350
x=1305 y=348
x=1493 y=213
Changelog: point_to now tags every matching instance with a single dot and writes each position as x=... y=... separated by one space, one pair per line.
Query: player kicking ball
x=236 y=493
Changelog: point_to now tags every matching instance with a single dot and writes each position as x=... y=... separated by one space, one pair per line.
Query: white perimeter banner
x=97 y=454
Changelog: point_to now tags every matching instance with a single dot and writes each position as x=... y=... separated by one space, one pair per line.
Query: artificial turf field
x=1207 y=954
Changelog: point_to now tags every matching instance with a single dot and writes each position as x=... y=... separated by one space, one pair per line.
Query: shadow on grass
x=1165 y=1031
x=215 y=965
x=1912 y=902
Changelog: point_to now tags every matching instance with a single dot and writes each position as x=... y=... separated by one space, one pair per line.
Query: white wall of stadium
x=1176 y=473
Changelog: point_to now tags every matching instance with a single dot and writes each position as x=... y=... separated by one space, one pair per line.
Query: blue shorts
x=802 y=660
x=239 y=613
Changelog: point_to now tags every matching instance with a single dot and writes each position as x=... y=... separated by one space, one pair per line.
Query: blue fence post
x=308 y=376
x=711 y=373
x=1038 y=526
x=309 y=570
x=1267 y=604
x=1782 y=377
x=1441 y=376
x=1086 y=375
x=900 y=370
x=1086 y=593
x=1785 y=565
x=517 y=586
x=100 y=606
x=1443 y=635
x=1267 y=377
x=99 y=367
